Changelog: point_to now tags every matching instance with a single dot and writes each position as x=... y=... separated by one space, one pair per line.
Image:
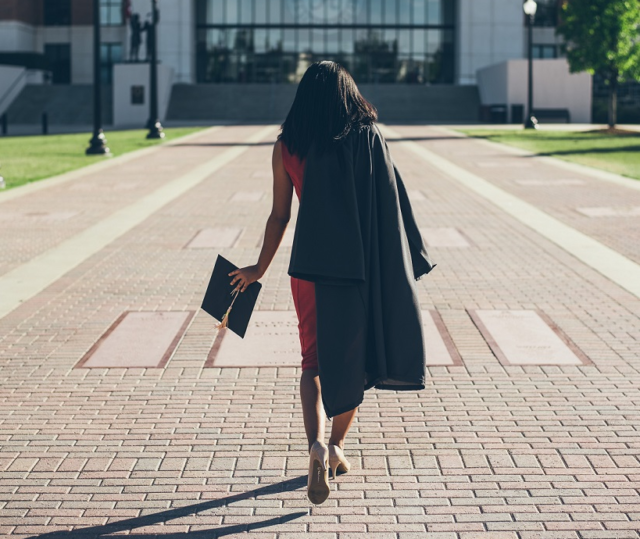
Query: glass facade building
x=378 y=41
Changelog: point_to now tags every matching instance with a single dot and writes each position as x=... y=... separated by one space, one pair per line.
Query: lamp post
x=98 y=143
x=530 y=8
x=155 y=127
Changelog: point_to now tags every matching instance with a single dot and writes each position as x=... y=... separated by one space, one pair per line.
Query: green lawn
x=28 y=159
x=619 y=153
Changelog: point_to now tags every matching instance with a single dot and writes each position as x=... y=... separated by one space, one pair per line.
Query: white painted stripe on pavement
x=27 y=280
x=610 y=263
x=104 y=164
x=554 y=161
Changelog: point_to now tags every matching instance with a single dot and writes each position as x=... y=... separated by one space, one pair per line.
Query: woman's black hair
x=327 y=106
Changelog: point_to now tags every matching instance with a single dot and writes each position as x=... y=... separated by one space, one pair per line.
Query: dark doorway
x=59 y=57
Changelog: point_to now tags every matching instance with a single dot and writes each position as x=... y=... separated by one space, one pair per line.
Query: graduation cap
x=222 y=301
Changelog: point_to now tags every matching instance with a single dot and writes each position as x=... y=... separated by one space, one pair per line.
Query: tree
x=603 y=38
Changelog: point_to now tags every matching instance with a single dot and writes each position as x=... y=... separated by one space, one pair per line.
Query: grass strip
x=29 y=159
x=616 y=151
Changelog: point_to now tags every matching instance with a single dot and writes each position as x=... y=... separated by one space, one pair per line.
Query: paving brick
x=486 y=450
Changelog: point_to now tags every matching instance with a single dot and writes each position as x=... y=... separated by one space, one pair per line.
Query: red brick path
x=486 y=451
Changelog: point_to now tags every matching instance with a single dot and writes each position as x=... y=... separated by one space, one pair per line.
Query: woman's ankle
x=313 y=442
x=339 y=443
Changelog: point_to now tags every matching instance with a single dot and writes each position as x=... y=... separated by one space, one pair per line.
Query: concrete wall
x=407 y=103
x=493 y=84
x=554 y=87
x=12 y=81
x=546 y=36
x=16 y=36
x=489 y=32
x=126 y=114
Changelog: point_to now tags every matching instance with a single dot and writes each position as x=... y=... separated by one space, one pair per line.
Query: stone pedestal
x=131 y=93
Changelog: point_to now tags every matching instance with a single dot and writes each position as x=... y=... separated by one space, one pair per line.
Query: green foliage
x=602 y=37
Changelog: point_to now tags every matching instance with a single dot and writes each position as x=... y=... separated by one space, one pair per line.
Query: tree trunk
x=613 y=103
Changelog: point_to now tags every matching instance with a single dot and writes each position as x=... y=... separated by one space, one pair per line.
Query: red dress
x=304 y=292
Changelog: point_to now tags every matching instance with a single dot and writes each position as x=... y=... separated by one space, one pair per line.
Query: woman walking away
x=356 y=255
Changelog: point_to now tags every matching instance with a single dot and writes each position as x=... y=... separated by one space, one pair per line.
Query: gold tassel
x=224 y=323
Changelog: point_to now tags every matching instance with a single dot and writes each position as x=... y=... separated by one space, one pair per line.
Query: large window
x=110 y=53
x=547 y=13
x=391 y=41
x=57 y=12
x=111 y=13
x=545 y=51
x=58 y=56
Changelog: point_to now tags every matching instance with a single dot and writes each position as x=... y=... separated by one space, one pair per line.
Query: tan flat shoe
x=318 y=481
x=337 y=460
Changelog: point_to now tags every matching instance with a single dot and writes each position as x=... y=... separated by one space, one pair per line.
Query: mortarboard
x=232 y=309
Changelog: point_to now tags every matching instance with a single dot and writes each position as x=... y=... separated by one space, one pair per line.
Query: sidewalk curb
x=107 y=163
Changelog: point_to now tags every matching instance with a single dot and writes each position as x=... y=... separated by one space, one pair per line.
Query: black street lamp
x=98 y=143
x=530 y=8
x=155 y=127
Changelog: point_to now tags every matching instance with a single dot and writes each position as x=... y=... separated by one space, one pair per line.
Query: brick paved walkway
x=489 y=449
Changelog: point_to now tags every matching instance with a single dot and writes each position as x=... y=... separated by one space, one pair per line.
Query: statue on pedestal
x=136 y=37
x=148 y=29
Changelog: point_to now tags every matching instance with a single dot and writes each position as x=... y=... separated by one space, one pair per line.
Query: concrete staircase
x=65 y=105
x=271 y=102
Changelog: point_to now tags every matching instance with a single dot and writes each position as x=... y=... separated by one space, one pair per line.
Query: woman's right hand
x=245 y=276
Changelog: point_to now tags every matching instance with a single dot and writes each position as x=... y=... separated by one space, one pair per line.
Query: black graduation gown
x=357 y=239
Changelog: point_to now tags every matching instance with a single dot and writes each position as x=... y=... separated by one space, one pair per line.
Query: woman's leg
x=312 y=409
x=340 y=426
x=314 y=415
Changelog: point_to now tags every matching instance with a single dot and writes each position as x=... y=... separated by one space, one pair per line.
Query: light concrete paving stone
x=521 y=337
x=215 y=238
x=110 y=186
x=439 y=347
x=262 y=174
x=271 y=339
x=550 y=183
x=247 y=196
x=443 y=237
x=139 y=339
x=604 y=211
x=42 y=216
x=502 y=164
x=416 y=195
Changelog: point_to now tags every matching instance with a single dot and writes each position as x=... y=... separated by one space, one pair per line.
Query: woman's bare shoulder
x=278 y=157
x=277 y=150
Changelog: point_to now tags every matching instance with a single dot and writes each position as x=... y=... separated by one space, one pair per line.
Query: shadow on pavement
x=170 y=514
x=271 y=142
x=212 y=144
x=591 y=150
x=403 y=139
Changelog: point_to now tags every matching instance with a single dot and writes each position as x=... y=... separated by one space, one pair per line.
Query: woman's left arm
x=276 y=223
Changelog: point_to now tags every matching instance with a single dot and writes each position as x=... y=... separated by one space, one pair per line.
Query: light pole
x=155 y=127
x=98 y=143
x=530 y=8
